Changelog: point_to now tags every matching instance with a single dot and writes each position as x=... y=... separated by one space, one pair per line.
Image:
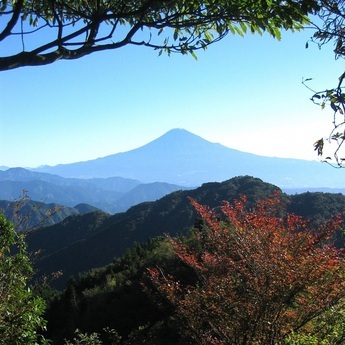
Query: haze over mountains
x=159 y=170
x=175 y=161
x=182 y=158
x=114 y=194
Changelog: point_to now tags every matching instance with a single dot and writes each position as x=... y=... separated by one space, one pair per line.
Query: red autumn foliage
x=261 y=275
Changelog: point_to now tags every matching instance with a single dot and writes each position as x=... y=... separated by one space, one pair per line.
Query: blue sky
x=245 y=93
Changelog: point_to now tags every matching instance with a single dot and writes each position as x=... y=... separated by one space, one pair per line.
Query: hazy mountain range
x=114 y=194
x=157 y=178
x=182 y=158
x=175 y=161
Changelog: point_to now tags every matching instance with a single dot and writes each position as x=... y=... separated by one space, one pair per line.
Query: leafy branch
x=73 y=29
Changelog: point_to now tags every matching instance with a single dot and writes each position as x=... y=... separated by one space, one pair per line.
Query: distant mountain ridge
x=182 y=158
x=113 y=194
x=28 y=214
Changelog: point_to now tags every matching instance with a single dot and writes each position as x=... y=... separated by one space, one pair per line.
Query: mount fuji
x=183 y=158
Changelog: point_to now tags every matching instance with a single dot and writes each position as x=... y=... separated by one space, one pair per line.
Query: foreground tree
x=41 y=32
x=20 y=311
x=327 y=329
x=331 y=29
x=259 y=276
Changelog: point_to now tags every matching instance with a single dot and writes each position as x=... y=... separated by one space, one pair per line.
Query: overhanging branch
x=13 y=21
x=191 y=25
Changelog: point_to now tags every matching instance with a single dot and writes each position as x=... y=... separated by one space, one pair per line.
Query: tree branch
x=190 y=25
x=35 y=59
x=13 y=21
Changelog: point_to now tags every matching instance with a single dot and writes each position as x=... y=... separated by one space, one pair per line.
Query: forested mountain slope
x=81 y=243
x=27 y=214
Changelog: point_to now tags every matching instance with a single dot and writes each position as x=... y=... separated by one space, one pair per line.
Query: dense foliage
x=122 y=304
x=111 y=298
x=260 y=275
x=81 y=243
x=254 y=273
x=45 y=31
x=318 y=207
x=20 y=311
